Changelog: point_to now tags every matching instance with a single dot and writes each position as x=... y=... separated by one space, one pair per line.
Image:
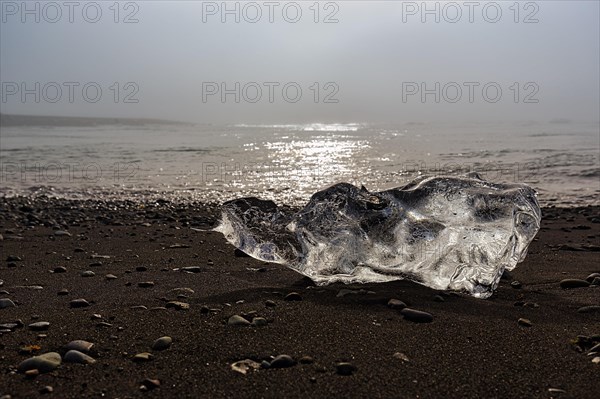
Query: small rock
x=162 y=343
x=191 y=269
x=143 y=357
x=6 y=303
x=516 y=284
x=237 y=320
x=79 y=345
x=573 y=283
x=396 y=304
x=243 y=366
x=293 y=296
x=46 y=389
x=79 y=303
x=150 y=383
x=44 y=363
x=282 y=361
x=270 y=304
x=74 y=356
x=64 y=291
x=439 y=298
x=596 y=360
x=146 y=284
x=306 y=360
x=110 y=277
x=62 y=233
x=416 y=316
x=141 y=269
x=595 y=281
x=345 y=368
x=39 y=326
x=88 y=273
x=60 y=269
x=525 y=322
x=259 y=321
x=401 y=356
x=178 y=305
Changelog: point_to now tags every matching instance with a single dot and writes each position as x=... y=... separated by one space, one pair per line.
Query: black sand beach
x=472 y=349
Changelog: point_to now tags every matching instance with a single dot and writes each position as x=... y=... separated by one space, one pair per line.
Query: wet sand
x=473 y=348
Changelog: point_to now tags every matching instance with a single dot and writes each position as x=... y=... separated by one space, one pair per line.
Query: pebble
x=345 y=368
x=270 y=304
x=88 y=273
x=62 y=233
x=64 y=291
x=162 y=343
x=46 y=389
x=306 y=360
x=573 y=283
x=439 y=298
x=74 y=356
x=60 y=269
x=416 y=316
x=139 y=307
x=259 y=321
x=110 y=277
x=191 y=269
x=282 y=361
x=141 y=269
x=525 y=322
x=39 y=326
x=143 y=357
x=44 y=363
x=146 y=284
x=178 y=305
x=237 y=320
x=243 y=366
x=396 y=304
x=596 y=360
x=401 y=356
x=150 y=383
x=293 y=296
x=6 y=303
x=79 y=303
x=516 y=284
x=591 y=277
x=79 y=345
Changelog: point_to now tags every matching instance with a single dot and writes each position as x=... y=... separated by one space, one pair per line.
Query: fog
x=352 y=61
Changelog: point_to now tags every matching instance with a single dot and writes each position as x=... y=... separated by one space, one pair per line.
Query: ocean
x=289 y=162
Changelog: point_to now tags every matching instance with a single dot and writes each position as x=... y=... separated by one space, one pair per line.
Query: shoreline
x=473 y=348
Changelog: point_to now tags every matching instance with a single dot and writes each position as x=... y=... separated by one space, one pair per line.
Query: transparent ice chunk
x=456 y=233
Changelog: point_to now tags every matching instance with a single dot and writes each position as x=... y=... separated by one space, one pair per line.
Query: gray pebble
x=178 y=305
x=259 y=321
x=237 y=320
x=62 y=233
x=516 y=284
x=6 y=303
x=44 y=363
x=293 y=296
x=345 y=368
x=146 y=284
x=589 y=309
x=64 y=291
x=74 y=356
x=142 y=357
x=573 y=283
x=79 y=345
x=79 y=303
x=524 y=322
x=396 y=304
x=416 y=316
x=270 y=304
x=282 y=361
x=39 y=326
x=162 y=343
x=60 y=269
x=191 y=269
x=88 y=273
x=110 y=277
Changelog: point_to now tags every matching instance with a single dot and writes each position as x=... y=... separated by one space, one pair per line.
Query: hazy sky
x=375 y=60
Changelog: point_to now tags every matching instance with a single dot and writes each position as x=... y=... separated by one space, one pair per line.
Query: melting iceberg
x=457 y=233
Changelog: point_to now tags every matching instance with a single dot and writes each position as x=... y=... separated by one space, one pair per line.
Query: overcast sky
x=370 y=66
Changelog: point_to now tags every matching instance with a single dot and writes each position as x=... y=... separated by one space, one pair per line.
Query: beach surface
x=168 y=276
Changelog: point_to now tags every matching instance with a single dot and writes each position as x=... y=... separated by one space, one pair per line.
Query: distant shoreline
x=16 y=120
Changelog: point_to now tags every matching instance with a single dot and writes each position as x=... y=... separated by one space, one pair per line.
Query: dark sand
x=473 y=349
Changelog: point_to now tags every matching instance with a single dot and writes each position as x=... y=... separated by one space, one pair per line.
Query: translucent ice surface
x=457 y=233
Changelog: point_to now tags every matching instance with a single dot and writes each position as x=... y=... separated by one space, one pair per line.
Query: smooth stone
x=39 y=326
x=516 y=284
x=243 y=366
x=439 y=298
x=178 y=305
x=591 y=277
x=306 y=360
x=64 y=291
x=162 y=343
x=573 y=283
x=396 y=304
x=139 y=307
x=282 y=361
x=60 y=269
x=6 y=303
x=44 y=363
x=259 y=321
x=191 y=269
x=46 y=389
x=401 y=356
x=270 y=304
x=181 y=290
x=79 y=303
x=88 y=273
x=62 y=233
x=150 y=383
x=596 y=360
x=143 y=357
x=524 y=322
x=146 y=284
x=110 y=277
x=345 y=368
x=79 y=345
x=74 y=356
x=589 y=309
x=141 y=269
x=293 y=296
x=237 y=320
x=416 y=316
